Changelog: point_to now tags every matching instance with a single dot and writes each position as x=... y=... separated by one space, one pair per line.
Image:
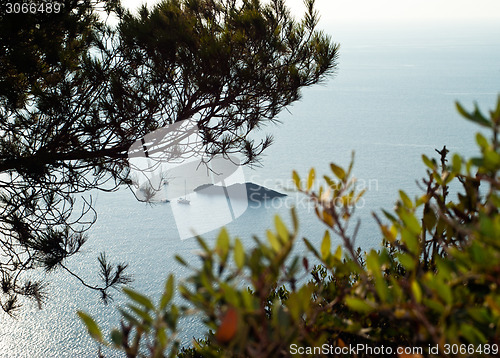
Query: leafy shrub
x=433 y=283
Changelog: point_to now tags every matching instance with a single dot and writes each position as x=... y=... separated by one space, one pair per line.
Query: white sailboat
x=184 y=200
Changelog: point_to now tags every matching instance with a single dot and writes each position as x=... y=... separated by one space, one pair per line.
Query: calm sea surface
x=391 y=100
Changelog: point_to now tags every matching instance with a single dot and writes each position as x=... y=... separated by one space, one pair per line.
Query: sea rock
x=254 y=192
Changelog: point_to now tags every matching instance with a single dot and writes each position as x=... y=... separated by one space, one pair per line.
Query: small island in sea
x=254 y=192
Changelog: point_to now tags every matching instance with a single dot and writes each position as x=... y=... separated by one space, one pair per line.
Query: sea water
x=391 y=100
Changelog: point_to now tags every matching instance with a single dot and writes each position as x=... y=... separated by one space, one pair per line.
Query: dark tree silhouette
x=75 y=93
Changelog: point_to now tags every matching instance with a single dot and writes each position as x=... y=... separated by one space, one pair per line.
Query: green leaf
x=389 y=216
x=310 y=178
x=492 y=160
x=431 y=164
x=410 y=240
x=325 y=245
x=142 y=313
x=338 y=171
x=139 y=298
x=249 y=300
x=372 y=263
x=311 y=248
x=91 y=325
x=296 y=179
x=430 y=218
x=330 y=182
x=480 y=314
x=482 y=141
x=434 y=305
x=381 y=288
x=456 y=163
x=478 y=254
x=231 y=295
x=417 y=291
x=202 y=243
x=116 y=337
x=472 y=334
x=161 y=337
x=181 y=260
x=359 y=305
x=128 y=317
x=295 y=221
x=445 y=293
x=437 y=177
x=327 y=219
x=406 y=260
x=478 y=162
x=445 y=268
x=338 y=253
x=168 y=292
x=410 y=221
x=495 y=114
x=223 y=244
x=487 y=227
x=171 y=317
x=239 y=254
x=294 y=306
x=281 y=229
x=273 y=240
x=359 y=195
x=405 y=199
x=475 y=116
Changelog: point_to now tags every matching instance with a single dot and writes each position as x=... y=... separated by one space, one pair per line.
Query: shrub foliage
x=433 y=283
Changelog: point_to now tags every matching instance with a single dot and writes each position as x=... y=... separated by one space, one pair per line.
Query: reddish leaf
x=228 y=326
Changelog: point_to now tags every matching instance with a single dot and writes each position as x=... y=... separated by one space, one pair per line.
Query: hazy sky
x=390 y=10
